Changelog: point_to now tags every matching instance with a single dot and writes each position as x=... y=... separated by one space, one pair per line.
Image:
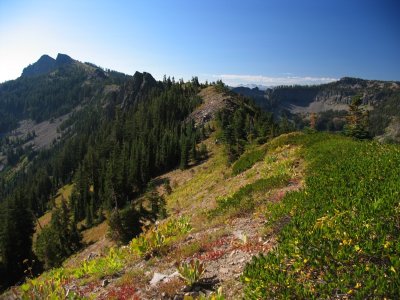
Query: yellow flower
x=358 y=285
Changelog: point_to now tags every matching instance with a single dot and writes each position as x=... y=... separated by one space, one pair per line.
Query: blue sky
x=263 y=42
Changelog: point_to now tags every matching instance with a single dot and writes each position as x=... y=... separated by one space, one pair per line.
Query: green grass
x=242 y=200
x=342 y=233
x=247 y=160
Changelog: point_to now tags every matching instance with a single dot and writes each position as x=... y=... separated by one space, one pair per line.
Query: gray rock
x=105 y=282
x=159 y=277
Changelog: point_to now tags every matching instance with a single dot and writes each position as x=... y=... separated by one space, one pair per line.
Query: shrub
x=124 y=224
x=154 y=240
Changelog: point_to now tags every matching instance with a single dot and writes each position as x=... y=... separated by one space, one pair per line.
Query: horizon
x=252 y=43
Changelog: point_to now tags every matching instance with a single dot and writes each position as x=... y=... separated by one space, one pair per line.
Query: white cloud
x=235 y=80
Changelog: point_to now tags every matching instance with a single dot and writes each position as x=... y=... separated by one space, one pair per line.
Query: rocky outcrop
x=137 y=88
x=46 y=64
x=213 y=102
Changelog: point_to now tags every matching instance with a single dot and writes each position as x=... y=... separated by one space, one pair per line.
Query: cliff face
x=137 y=88
x=332 y=96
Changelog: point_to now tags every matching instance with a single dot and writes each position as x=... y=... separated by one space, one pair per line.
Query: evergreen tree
x=58 y=240
x=357 y=119
x=15 y=237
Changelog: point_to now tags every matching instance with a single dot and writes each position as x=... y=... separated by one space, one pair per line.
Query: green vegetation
x=191 y=271
x=124 y=224
x=341 y=237
x=246 y=124
x=247 y=160
x=59 y=239
x=110 y=153
x=357 y=120
x=157 y=239
x=241 y=201
x=49 y=289
x=100 y=267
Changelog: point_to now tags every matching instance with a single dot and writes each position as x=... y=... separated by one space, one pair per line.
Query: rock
x=105 y=282
x=159 y=277
x=192 y=294
x=91 y=256
x=224 y=270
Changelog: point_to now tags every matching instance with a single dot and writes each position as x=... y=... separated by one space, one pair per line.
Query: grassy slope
x=337 y=237
x=342 y=239
x=195 y=192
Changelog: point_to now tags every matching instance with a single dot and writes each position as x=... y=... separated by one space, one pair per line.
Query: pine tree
x=184 y=161
x=15 y=237
x=58 y=240
x=357 y=120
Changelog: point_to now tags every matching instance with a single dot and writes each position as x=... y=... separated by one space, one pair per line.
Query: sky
x=264 y=42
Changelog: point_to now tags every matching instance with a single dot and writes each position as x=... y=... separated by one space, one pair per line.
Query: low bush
x=242 y=201
x=155 y=240
x=247 y=160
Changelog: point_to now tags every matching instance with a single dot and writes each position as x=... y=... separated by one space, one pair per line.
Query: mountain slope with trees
x=126 y=131
x=329 y=103
x=186 y=176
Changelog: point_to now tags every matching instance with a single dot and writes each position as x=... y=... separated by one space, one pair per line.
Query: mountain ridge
x=46 y=64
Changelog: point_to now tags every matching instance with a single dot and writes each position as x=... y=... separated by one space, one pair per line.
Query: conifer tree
x=357 y=119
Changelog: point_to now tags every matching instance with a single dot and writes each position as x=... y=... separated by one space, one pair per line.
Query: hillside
x=118 y=133
x=272 y=230
x=117 y=186
x=329 y=101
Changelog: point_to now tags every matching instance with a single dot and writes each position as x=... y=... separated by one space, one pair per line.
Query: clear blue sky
x=264 y=42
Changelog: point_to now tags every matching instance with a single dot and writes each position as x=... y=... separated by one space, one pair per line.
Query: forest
x=110 y=153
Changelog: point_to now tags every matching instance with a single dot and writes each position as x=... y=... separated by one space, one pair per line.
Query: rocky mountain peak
x=63 y=59
x=46 y=64
x=138 y=87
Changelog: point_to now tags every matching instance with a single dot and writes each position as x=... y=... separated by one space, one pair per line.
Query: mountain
x=137 y=88
x=252 y=86
x=50 y=93
x=103 y=136
x=124 y=187
x=230 y=229
x=329 y=101
x=47 y=64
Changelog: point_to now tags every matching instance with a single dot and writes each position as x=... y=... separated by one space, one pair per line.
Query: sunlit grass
x=342 y=231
